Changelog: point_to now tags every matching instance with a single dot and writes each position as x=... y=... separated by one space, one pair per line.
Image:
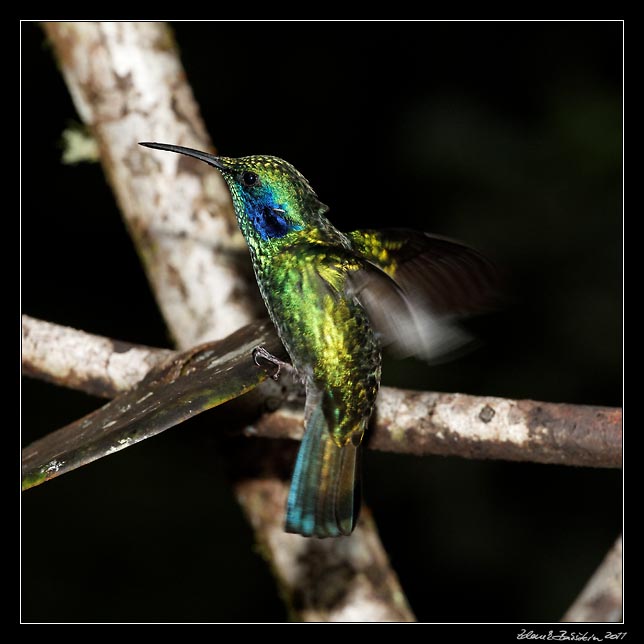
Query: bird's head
x=271 y=198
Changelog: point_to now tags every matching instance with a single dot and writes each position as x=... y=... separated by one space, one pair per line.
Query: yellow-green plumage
x=334 y=299
x=335 y=350
x=325 y=330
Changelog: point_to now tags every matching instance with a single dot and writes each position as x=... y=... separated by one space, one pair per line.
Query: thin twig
x=601 y=598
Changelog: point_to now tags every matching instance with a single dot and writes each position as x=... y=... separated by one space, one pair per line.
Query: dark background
x=505 y=135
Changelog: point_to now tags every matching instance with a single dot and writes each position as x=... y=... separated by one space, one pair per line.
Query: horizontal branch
x=601 y=598
x=482 y=427
x=405 y=421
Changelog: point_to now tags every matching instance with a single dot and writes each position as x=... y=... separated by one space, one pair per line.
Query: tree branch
x=128 y=85
x=176 y=389
x=97 y=365
x=601 y=598
x=482 y=427
x=405 y=421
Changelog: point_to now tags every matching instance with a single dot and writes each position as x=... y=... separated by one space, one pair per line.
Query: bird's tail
x=324 y=500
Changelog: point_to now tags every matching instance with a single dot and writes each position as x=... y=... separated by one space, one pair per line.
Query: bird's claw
x=260 y=352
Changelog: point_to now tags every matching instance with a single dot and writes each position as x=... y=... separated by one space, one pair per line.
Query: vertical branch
x=128 y=85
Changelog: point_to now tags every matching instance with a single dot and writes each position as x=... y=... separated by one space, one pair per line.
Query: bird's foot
x=259 y=353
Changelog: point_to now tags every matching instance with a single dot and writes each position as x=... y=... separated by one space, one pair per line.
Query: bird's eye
x=249 y=179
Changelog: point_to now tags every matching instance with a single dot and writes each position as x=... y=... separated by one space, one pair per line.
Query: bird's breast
x=328 y=336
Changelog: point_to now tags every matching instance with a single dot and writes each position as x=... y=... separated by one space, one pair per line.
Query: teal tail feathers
x=324 y=499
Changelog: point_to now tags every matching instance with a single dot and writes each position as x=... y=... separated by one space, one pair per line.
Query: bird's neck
x=265 y=252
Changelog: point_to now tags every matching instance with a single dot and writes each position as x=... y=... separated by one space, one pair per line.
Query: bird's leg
x=261 y=353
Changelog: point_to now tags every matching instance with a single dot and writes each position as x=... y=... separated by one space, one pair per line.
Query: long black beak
x=210 y=159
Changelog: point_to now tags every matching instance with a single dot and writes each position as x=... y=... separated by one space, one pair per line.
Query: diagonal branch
x=128 y=85
x=601 y=598
x=181 y=386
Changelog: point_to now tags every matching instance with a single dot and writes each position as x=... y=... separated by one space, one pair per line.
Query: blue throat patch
x=269 y=219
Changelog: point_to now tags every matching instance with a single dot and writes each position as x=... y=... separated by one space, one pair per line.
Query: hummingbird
x=336 y=299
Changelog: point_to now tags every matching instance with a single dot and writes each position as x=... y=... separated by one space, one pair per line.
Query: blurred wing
x=422 y=285
x=451 y=278
x=398 y=320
